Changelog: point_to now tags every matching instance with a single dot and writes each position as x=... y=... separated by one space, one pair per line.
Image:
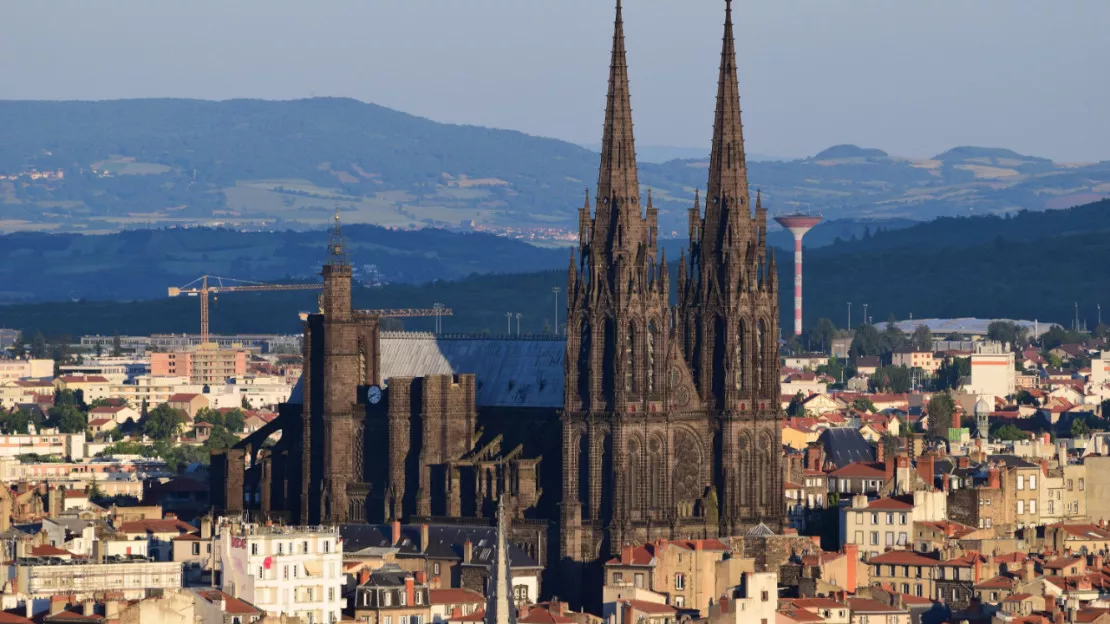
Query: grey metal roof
x=444 y=542
x=511 y=372
x=844 y=446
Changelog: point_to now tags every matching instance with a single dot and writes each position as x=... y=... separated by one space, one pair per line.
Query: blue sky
x=914 y=77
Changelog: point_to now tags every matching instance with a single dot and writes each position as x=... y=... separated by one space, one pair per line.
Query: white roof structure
x=967 y=326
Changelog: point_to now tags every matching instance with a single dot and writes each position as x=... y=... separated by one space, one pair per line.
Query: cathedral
x=658 y=416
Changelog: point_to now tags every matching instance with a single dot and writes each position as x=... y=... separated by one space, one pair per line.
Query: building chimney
x=57 y=604
x=813 y=456
x=851 y=551
x=626 y=555
x=89 y=608
x=421 y=578
x=206 y=528
x=880 y=452
x=978 y=569
x=396 y=532
x=1044 y=466
x=410 y=589
x=964 y=461
x=628 y=614
x=890 y=464
x=994 y=479
x=945 y=482
x=468 y=551
x=724 y=604
x=363 y=576
x=925 y=468
x=424 y=537
x=1029 y=571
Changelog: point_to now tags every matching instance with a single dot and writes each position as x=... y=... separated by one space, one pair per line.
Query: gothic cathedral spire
x=618 y=187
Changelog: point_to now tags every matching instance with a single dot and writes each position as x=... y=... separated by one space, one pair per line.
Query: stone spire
x=337 y=249
x=726 y=201
x=618 y=183
x=500 y=608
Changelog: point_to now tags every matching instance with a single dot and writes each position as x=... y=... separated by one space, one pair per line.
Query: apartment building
x=134 y=577
x=293 y=570
x=11 y=370
x=205 y=366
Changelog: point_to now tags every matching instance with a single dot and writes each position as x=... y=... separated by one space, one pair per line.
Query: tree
x=234 y=420
x=796 y=407
x=162 y=423
x=246 y=403
x=20 y=420
x=863 y=404
x=951 y=371
x=19 y=347
x=834 y=369
x=1008 y=332
x=891 y=379
x=117 y=345
x=1008 y=433
x=38 y=346
x=1025 y=398
x=893 y=338
x=1079 y=428
x=221 y=438
x=67 y=419
x=922 y=338
x=866 y=341
x=822 y=334
x=941 y=409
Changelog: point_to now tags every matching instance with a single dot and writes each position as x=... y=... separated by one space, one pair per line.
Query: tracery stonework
x=701 y=471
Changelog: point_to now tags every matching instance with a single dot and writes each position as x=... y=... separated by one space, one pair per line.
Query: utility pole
x=518 y=323
x=555 y=290
x=1099 y=306
x=866 y=319
x=438 y=307
x=849 y=316
x=1076 y=316
x=509 y=323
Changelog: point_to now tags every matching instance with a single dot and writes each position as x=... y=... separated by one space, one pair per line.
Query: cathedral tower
x=728 y=318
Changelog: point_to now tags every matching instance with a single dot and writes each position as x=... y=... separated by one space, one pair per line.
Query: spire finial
x=337 y=251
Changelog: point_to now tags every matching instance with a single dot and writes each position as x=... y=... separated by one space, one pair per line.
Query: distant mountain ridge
x=273 y=165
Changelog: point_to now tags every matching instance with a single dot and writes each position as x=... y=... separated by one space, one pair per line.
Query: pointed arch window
x=740 y=364
x=630 y=360
x=653 y=332
x=760 y=337
x=365 y=374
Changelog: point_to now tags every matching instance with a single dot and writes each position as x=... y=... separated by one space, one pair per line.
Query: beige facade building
x=683 y=571
x=204 y=366
x=11 y=370
x=133 y=579
x=992 y=370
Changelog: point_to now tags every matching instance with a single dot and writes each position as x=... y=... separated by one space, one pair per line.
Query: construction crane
x=200 y=287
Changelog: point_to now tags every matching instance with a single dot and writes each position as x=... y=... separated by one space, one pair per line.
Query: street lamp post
x=518 y=323
x=866 y=319
x=849 y=315
x=509 y=323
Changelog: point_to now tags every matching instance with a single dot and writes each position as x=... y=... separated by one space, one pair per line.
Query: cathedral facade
x=658 y=416
x=671 y=421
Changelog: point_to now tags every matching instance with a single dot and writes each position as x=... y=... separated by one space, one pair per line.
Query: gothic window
x=746 y=481
x=585 y=337
x=655 y=472
x=652 y=332
x=740 y=356
x=608 y=363
x=359 y=452
x=633 y=475
x=630 y=361
x=758 y=357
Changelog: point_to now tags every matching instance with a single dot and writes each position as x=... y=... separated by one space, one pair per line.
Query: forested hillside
x=1039 y=268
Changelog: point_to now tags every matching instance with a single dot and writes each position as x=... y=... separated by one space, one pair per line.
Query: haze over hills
x=290 y=164
x=1035 y=266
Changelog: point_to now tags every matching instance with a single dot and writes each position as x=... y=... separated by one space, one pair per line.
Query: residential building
x=805 y=361
x=393 y=596
x=684 y=571
x=159 y=534
x=1100 y=369
x=212 y=606
x=293 y=570
x=916 y=358
x=91 y=387
x=188 y=403
x=452 y=603
x=905 y=571
x=68 y=445
x=11 y=370
x=992 y=370
x=878 y=525
x=205 y=366
x=118 y=414
x=39 y=579
x=755 y=599
x=866 y=611
x=153 y=390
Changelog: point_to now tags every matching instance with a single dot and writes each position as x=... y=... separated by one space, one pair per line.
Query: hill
x=252 y=164
x=1036 y=266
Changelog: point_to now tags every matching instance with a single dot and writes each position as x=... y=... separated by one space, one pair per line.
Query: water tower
x=798 y=224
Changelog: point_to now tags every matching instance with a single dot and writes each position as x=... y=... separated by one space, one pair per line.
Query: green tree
x=891 y=379
x=1008 y=433
x=234 y=420
x=246 y=403
x=796 y=408
x=922 y=338
x=893 y=339
x=834 y=369
x=19 y=347
x=67 y=418
x=951 y=371
x=822 y=334
x=162 y=423
x=19 y=421
x=866 y=341
x=1025 y=398
x=863 y=404
x=221 y=438
x=940 y=409
x=1007 y=331
x=1079 y=428
x=39 y=349
x=117 y=345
